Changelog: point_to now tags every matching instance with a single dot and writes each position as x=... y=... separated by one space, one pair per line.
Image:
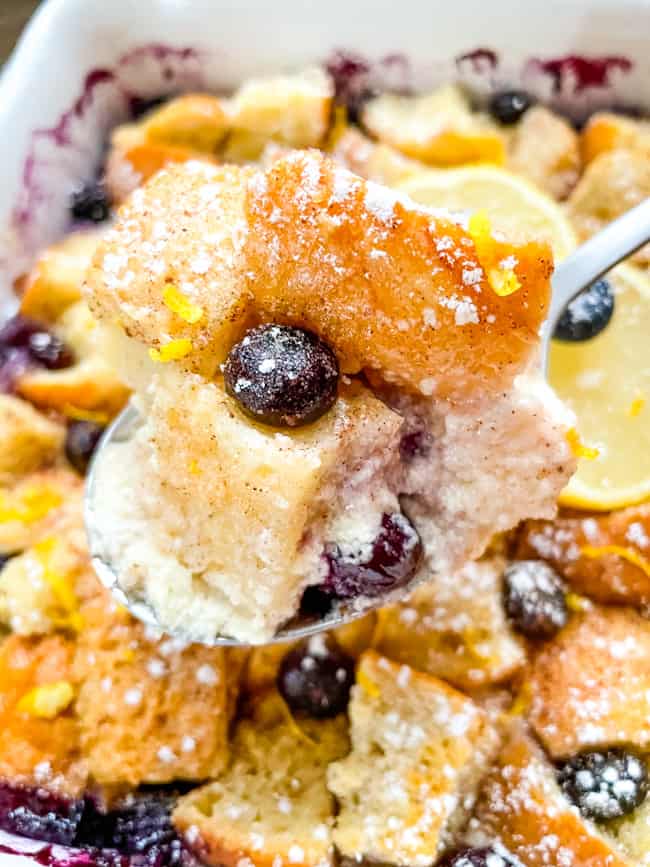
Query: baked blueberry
x=508 y=106
x=27 y=338
x=604 y=784
x=415 y=444
x=315 y=677
x=350 y=76
x=480 y=857
x=534 y=599
x=140 y=105
x=390 y=563
x=38 y=814
x=282 y=376
x=80 y=442
x=588 y=314
x=91 y=203
x=4 y=559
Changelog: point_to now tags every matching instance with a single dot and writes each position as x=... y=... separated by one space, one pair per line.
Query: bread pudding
x=495 y=717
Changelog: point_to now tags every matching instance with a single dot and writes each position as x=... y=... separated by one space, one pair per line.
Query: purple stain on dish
x=583 y=72
x=480 y=59
x=38 y=814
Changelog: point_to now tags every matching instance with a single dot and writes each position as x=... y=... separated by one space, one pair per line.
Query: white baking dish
x=80 y=61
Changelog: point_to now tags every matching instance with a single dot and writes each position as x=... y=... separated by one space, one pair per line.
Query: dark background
x=13 y=17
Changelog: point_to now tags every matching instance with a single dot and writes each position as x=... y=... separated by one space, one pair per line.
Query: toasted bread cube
x=150 y=709
x=522 y=807
x=545 y=148
x=56 y=279
x=455 y=628
x=271 y=805
x=196 y=121
x=605 y=131
x=271 y=491
x=419 y=751
x=438 y=128
x=38 y=588
x=374 y=161
x=590 y=686
x=31 y=508
x=632 y=833
x=600 y=556
x=90 y=385
x=28 y=439
x=289 y=109
x=612 y=183
x=37 y=748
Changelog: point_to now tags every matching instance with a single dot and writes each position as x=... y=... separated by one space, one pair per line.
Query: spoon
x=590 y=261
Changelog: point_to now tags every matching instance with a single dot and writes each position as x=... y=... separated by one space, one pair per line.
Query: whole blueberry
x=315 y=677
x=80 y=442
x=391 y=562
x=604 y=784
x=25 y=342
x=480 y=857
x=534 y=599
x=90 y=203
x=508 y=106
x=588 y=314
x=4 y=559
x=282 y=376
x=39 y=814
x=143 y=105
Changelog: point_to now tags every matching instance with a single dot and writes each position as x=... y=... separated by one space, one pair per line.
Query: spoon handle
x=596 y=256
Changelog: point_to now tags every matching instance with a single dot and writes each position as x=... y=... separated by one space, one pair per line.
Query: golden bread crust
x=310 y=244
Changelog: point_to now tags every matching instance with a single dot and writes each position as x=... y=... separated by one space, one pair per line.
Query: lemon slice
x=606 y=381
x=515 y=206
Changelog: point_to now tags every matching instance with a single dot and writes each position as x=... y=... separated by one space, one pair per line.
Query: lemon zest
x=299 y=732
x=367 y=684
x=504 y=282
x=522 y=701
x=194 y=468
x=636 y=406
x=77 y=413
x=579 y=449
x=628 y=554
x=479 y=228
x=47 y=701
x=30 y=505
x=181 y=305
x=59 y=584
x=172 y=351
x=577 y=603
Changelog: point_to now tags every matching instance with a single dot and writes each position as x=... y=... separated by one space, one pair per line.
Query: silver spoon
x=589 y=262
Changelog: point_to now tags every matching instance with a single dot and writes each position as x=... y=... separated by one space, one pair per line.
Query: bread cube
x=612 y=183
x=455 y=627
x=600 y=556
x=39 y=745
x=522 y=807
x=91 y=384
x=270 y=806
x=419 y=751
x=438 y=128
x=197 y=121
x=56 y=279
x=545 y=148
x=150 y=709
x=28 y=439
x=605 y=131
x=590 y=686
x=372 y=160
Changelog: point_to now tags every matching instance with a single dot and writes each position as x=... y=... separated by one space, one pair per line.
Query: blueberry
x=282 y=376
x=315 y=677
x=91 y=203
x=28 y=339
x=415 y=444
x=604 y=784
x=38 y=814
x=588 y=314
x=508 y=106
x=534 y=599
x=5 y=558
x=80 y=442
x=140 y=106
x=481 y=857
x=391 y=562
x=315 y=602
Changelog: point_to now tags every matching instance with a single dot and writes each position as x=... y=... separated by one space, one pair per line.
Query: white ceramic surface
x=53 y=118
